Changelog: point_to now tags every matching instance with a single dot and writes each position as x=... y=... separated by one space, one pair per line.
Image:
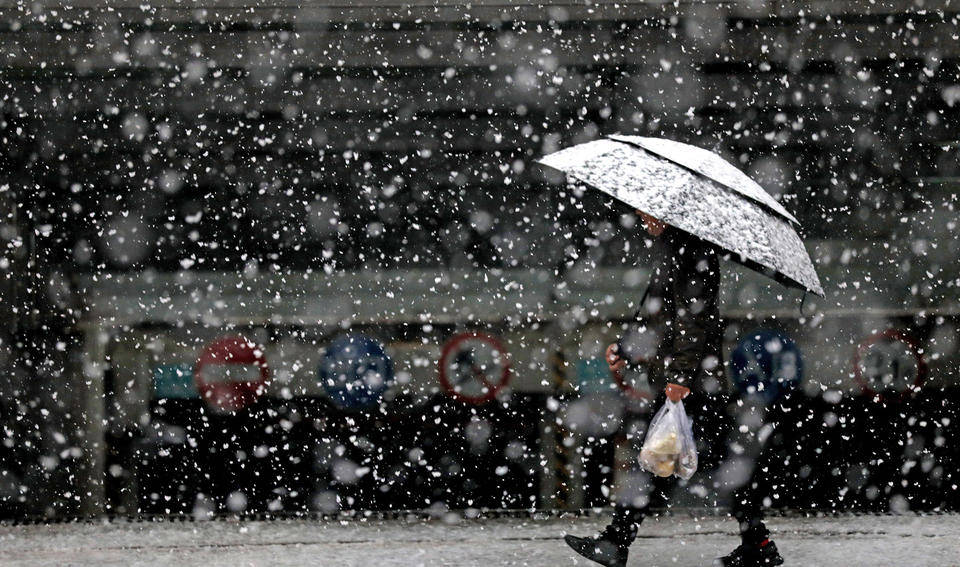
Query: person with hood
x=680 y=307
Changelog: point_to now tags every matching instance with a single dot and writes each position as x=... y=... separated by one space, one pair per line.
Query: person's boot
x=608 y=548
x=762 y=554
x=603 y=551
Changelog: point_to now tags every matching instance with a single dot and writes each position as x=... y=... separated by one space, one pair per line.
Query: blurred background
x=297 y=258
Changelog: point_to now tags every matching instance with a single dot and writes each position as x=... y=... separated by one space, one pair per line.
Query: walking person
x=698 y=206
x=680 y=307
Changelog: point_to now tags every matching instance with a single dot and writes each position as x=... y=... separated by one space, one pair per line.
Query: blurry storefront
x=174 y=178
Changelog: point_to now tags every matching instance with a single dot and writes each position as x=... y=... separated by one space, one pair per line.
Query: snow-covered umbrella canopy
x=699 y=192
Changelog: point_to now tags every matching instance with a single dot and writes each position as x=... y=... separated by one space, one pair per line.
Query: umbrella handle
x=802 y=301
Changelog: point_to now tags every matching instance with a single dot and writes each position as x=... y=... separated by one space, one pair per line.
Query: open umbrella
x=697 y=191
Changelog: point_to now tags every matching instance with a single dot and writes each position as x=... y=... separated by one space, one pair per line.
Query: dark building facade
x=157 y=156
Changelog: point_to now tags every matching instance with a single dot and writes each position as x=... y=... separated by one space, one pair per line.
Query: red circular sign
x=464 y=367
x=889 y=336
x=231 y=373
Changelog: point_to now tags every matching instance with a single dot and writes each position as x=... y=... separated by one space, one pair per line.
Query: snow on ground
x=680 y=540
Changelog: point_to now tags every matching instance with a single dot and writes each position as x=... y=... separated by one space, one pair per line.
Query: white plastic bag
x=669 y=448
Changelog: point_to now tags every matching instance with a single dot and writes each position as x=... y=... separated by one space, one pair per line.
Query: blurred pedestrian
x=680 y=307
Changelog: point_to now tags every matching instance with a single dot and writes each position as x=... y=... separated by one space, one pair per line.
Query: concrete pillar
x=91 y=415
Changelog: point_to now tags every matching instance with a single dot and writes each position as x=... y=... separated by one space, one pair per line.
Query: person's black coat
x=680 y=306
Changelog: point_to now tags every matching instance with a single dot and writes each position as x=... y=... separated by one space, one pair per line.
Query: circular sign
x=766 y=363
x=889 y=362
x=231 y=373
x=355 y=371
x=474 y=367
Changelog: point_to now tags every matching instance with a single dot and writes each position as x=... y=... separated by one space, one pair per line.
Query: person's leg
x=747 y=500
x=756 y=548
x=746 y=507
x=611 y=546
x=629 y=512
x=627 y=516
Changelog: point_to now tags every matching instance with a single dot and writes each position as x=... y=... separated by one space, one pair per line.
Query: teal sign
x=174 y=381
x=593 y=376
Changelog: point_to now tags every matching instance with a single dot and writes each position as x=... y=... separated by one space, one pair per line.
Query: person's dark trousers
x=711 y=424
x=746 y=501
x=627 y=517
x=746 y=507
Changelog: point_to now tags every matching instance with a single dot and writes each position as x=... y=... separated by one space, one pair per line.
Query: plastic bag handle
x=676 y=392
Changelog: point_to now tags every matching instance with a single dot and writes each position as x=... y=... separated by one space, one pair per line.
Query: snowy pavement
x=680 y=540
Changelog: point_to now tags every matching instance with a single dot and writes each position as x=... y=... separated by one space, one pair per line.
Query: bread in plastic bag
x=669 y=448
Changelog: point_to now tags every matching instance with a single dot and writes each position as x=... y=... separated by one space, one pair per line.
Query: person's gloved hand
x=676 y=392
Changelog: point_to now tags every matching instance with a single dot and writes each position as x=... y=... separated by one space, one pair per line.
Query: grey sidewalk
x=848 y=541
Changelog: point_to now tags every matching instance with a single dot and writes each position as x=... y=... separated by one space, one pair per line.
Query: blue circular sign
x=766 y=363
x=355 y=371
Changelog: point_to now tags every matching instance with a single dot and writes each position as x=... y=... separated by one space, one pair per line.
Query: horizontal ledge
x=738 y=315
